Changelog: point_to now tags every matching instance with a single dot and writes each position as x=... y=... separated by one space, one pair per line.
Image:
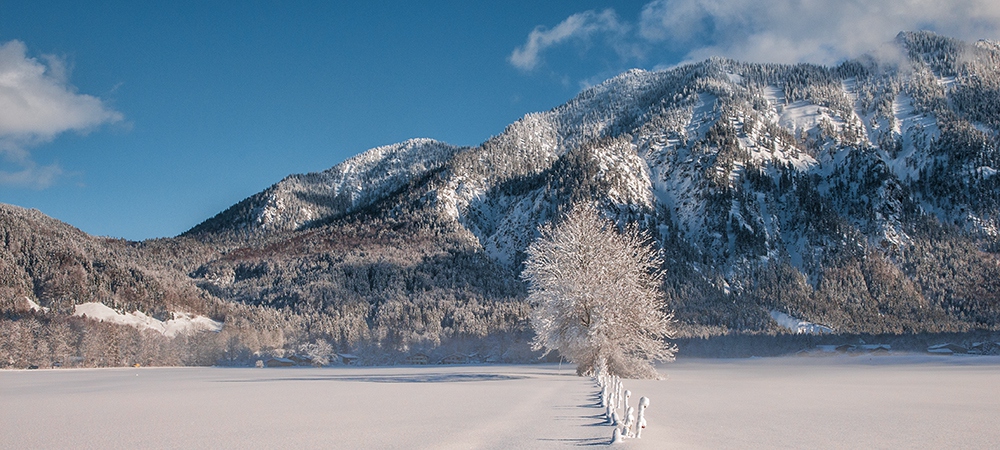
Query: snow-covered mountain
x=737 y=170
x=861 y=198
x=301 y=200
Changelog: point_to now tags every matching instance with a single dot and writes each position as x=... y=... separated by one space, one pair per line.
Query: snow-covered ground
x=799 y=326
x=182 y=323
x=806 y=402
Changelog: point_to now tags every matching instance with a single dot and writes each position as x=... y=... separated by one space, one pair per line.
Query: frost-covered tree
x=320 y=352
x=597 y=296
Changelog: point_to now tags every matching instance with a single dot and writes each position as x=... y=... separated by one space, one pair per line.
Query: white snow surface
x=532 y=406
x=895 y=401
x=182 y=323
x=35 y=306
x=799 y=326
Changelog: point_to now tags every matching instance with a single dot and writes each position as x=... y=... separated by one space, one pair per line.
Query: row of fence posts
x=615 y=397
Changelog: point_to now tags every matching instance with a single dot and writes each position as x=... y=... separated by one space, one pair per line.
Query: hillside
x=861 y=197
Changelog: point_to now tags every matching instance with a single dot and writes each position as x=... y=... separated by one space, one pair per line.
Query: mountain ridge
x=747 y=163
x=300 y=199
x=861 y=197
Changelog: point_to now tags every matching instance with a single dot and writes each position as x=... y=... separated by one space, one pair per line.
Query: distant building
x=301 y=360
x=947 y=349
x=455 y=358
x=348 y=359
x=279 y=362
x=417 y=359
x=984 y=348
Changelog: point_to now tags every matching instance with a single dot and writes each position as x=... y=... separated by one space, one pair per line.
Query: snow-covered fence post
x=614 y=391
x=616 y=436
x=609 y=408
x=611 y=412
x=641 y=421
x=629 y=421
x=619 y=392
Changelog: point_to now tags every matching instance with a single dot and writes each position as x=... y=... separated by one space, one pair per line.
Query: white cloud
x=817 y=31
x=31 y=175
x=786 y=31
x=578 y=26
x=37 y=103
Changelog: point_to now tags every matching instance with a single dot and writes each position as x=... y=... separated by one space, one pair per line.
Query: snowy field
x=807 y=402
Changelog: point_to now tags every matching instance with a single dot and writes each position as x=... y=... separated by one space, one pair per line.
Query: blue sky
x=141 y=119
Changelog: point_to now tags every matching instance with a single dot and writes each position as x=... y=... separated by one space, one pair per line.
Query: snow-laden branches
x=596 y=296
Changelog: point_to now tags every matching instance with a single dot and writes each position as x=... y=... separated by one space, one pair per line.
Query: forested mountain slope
x=863 y=197
x=860 y=196
x=57 y=266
